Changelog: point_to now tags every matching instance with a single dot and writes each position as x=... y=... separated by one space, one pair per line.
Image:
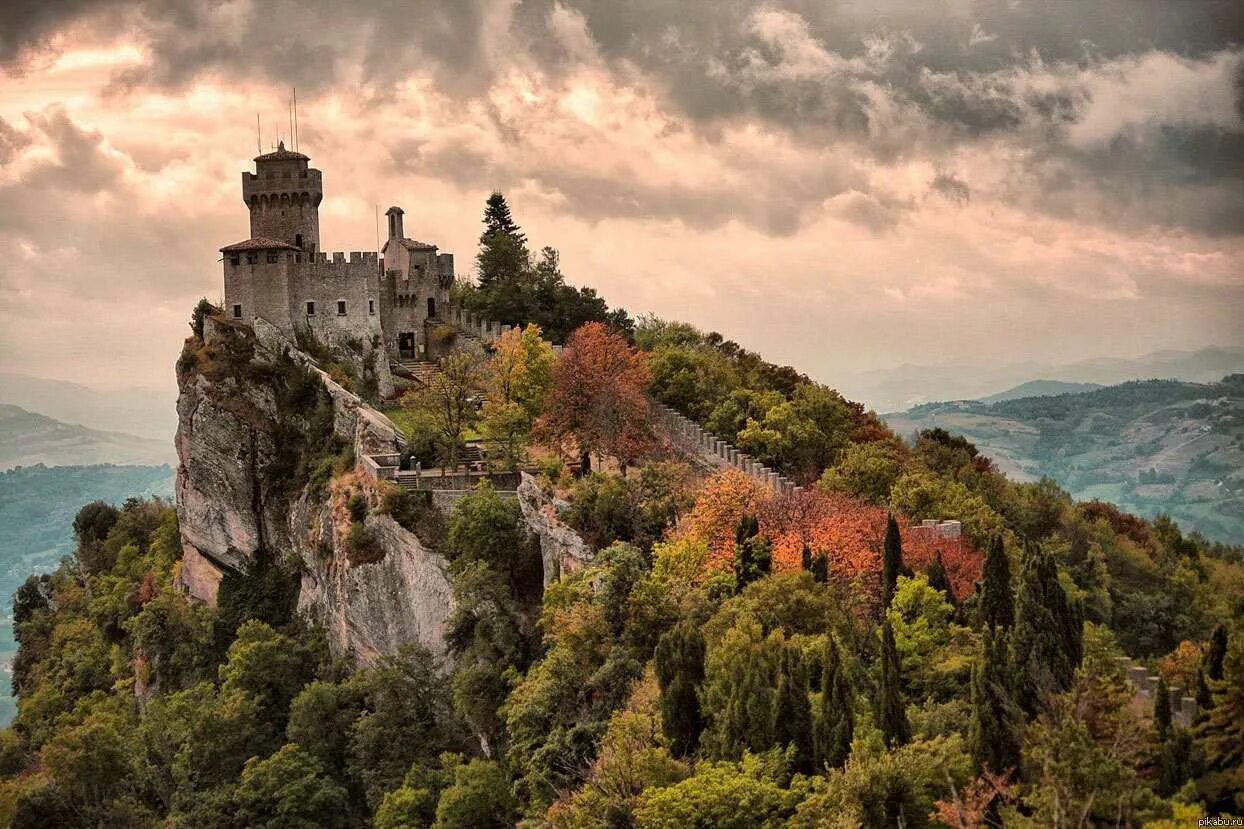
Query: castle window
x=310 y=309
x=235 y=259
x=341 y=307
x=237 y=312
x=273 y=257
x=297 y=240
x=252 y=258
x=371 y=306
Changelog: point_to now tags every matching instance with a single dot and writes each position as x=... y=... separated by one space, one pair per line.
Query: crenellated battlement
x=333 y=259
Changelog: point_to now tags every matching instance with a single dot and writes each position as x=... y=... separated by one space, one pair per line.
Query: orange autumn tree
x=598 y=401
x=846 y=532
x=962 y=561
x=725 y=499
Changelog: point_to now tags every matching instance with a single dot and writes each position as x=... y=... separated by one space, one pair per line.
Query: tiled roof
x=258 y=243
x=411 y=244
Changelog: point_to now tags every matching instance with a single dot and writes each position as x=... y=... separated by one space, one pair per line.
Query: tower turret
x=283 y=195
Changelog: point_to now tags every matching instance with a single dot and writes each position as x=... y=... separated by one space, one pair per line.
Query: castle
x=387 y=301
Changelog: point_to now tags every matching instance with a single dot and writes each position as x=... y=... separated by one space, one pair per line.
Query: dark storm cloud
x=888 y=78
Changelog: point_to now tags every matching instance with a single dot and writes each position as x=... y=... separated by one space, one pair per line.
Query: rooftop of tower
x=282 y=154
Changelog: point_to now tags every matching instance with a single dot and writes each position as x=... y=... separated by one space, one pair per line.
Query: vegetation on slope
x=730 y=658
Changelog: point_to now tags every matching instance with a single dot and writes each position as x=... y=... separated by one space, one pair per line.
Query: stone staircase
x=422 y=370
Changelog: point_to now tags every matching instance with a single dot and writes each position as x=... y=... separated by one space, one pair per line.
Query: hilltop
x=1158 y=446
x=28 y=438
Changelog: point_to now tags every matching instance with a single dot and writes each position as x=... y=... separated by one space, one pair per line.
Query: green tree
x=997 y=600
x=1047 y=639
x=720 y=796
x=289 y=790
x=1216 y=653
x=1162 y=710
x=679 y=663
x=448 y=401
x=937 y=578
x=740 y=677
x=752 y=558
x=1221 y=735
x=891 y=560
x=835 y=727
x=478 y=798
x=891 y=710
x=792 y=712
x=993 y=732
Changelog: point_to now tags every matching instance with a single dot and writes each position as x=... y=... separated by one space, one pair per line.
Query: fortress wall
x=331 y=278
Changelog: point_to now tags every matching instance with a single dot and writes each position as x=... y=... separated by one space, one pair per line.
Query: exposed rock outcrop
x=246 y=482
x=561 y=548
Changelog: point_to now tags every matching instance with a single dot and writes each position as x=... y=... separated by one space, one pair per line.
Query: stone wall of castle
x=338 y=298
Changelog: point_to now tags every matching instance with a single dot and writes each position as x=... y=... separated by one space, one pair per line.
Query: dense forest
x=730 y=657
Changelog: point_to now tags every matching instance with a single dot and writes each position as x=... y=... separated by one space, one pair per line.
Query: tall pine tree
x=997 y=602
x=1162 y=709
x=679 y=664
x=993 y=730
x=504 y=265
x=835 y=726
x=1221 y=735
x=1047 y=638
x=792 y=713
x=891 y=560
x=891 y=708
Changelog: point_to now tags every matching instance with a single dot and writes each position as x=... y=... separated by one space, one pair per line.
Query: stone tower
x=284 y=196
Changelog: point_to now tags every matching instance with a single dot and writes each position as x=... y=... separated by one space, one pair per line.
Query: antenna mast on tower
x=258 y=135
x=296 y=143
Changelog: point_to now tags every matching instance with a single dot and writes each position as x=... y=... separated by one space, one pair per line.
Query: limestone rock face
x=235 y=497
x=561 y=548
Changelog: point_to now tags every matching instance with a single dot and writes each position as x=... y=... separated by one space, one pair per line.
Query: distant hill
x=148 y=413
x=1149 y=446
x=908 y=385
x=1040 y=388
x=37 y=506
x=27 y=438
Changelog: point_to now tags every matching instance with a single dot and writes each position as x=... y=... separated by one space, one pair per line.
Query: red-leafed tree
x=598 y=402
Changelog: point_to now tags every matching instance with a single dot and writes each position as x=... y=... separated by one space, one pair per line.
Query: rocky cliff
x=266 y=445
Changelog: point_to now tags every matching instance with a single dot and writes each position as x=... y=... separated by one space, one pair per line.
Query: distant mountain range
x=27 y=438
x=1040 y=388
x=145 y=412
x=1148 y=446
x=910 y=385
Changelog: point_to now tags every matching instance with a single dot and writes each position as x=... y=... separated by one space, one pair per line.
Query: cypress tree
x=892 y=560
x=1047 y=639
x=835 y=726
x=1162 y=709
x=891 y=709
x=752 y=559
x=938 y=580
x=992 y=733
x=1215 y=653
x=679 y=663
x=792 y=714
x=997 y=603
x=1204 y=699
x=1221 y=734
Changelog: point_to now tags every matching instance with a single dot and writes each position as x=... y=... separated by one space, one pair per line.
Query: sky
x=842 y=186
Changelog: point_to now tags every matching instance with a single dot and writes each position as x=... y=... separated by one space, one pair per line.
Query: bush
x=202 y=310
x=361 y=545
x=357 y=505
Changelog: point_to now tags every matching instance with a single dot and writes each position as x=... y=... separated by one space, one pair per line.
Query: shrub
x=362 y=546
